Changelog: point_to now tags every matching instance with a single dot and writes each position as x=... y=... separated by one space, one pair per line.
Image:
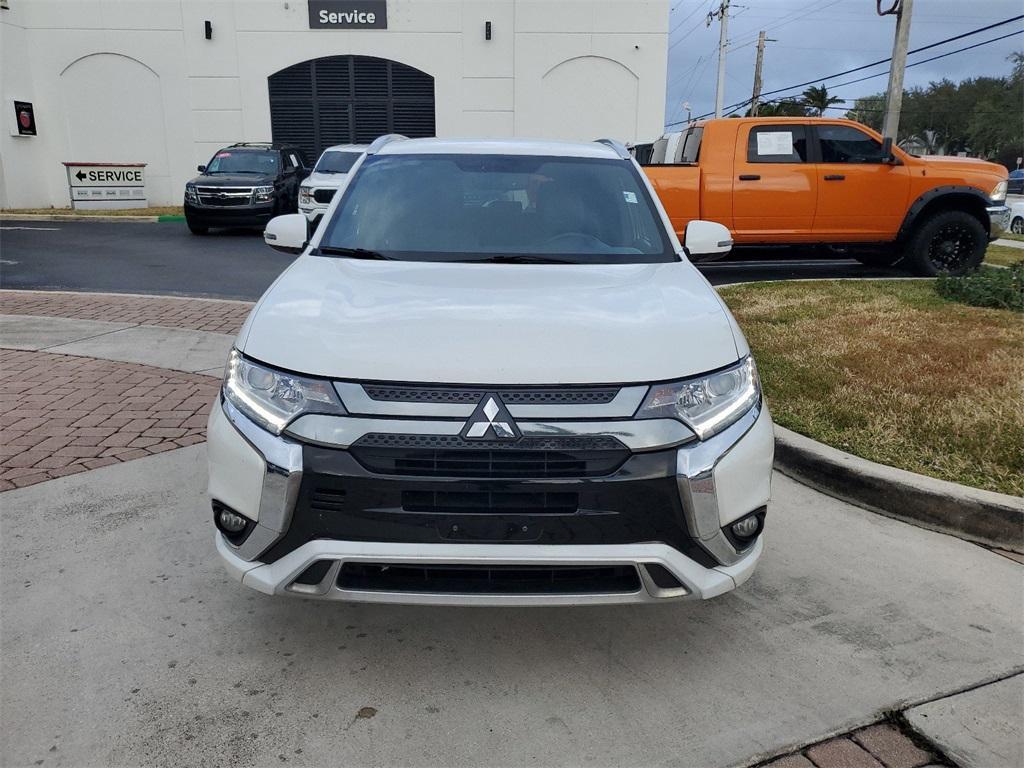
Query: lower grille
x=324 y=195
x=493 y=580
x=490 y=502
x=442 y=456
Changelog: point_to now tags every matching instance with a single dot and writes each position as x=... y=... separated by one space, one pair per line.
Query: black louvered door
x=349 y=100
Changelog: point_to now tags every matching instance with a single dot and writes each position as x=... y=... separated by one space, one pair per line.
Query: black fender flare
x=926 y=199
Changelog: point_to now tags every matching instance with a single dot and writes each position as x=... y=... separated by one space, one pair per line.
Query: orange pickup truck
x=802 y=180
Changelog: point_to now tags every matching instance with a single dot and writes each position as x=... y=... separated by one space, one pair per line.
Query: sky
x=820 y=37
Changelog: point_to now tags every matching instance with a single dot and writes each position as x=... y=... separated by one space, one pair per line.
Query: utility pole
x=722 y=14
x=894 y=98
x=757 y=74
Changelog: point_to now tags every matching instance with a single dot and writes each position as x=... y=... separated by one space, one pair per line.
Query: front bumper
x=229 y=216
x=665 y=507
x=999 y=220
x=313 y=211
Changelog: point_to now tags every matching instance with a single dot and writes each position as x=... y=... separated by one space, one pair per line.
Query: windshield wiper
x=522 y=259
x=353 y=253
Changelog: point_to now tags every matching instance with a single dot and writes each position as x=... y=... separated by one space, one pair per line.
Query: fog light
x=746 y=528
x=231 y=522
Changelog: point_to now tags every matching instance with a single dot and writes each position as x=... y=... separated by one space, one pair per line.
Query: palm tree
x=781 y=108
x=816 y=97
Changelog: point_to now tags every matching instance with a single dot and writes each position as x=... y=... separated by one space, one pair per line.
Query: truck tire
x=950 y=241
x=196 y=229
x=1017 y=225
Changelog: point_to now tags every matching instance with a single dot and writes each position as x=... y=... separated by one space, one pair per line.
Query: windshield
x=336 y=162
x=483 y=207
x=262 y=161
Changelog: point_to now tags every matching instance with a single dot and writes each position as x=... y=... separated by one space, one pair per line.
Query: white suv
x=492 y=377
x=329 y=174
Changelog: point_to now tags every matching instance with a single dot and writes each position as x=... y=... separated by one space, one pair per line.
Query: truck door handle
x=835 y=177
x=749 y=177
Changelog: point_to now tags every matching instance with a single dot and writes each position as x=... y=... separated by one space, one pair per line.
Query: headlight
x=305 y=195
x=999 y=193
x=190 y=193
x=706 y=404
x=262 y=194
x=272 y=398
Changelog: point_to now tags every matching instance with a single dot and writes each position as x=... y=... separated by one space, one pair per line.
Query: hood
x=490 y=323
x=234 y=180
x=961 y=164
x=325 y=180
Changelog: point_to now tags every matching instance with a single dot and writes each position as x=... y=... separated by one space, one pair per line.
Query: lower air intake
x=492 y=580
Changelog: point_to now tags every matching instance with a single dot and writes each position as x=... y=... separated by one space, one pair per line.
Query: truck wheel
x=948 y=241
x=1017 y=225
x=196 y=229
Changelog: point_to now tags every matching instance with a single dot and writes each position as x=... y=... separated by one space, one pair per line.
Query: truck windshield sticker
x=630 y=197
x=775 y=143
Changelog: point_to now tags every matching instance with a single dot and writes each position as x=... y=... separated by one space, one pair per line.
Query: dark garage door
x=349 y=100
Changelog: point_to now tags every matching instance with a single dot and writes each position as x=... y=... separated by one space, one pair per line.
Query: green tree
x=781 y=108
x=818 y=99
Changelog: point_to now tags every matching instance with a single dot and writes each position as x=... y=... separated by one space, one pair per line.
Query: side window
x=777 y=144
x=845 y=144
x=689 y=150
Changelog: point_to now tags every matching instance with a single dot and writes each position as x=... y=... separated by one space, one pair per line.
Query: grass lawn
x=165 y=210
x=1003 y=255
x=890 y=371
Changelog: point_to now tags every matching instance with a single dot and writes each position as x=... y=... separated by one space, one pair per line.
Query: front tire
x=951 y=242
x=1017 y=225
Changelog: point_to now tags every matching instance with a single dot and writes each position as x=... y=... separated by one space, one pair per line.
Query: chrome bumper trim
x=343 y=431
x=695 y=475
x=278 y=578
x=281 y=481
x=357 y=402
x=999 y=218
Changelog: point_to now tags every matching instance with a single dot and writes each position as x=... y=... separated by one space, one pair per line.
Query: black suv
x=245 y=185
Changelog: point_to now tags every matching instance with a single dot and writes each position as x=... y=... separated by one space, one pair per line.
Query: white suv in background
x=329 y=174
x=492 y=377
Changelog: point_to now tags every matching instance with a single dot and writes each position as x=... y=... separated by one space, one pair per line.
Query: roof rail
x=253 y=144
x=618 y=146
x=380 y=141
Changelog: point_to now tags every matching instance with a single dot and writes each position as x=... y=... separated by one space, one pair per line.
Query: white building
x=168 y=82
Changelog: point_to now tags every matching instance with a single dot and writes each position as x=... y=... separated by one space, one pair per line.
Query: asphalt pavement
x=165 y=258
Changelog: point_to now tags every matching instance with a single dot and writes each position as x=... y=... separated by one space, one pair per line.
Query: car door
x=293 y=176
x=774 y=186
x=861 y=196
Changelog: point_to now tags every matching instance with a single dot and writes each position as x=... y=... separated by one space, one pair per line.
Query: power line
x=869 y=77
x=885 y=61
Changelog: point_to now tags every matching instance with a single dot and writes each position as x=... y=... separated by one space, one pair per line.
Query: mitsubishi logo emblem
x=491 y=421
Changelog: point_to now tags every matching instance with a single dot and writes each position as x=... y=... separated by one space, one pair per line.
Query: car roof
x=499 y=147
x=347 y=148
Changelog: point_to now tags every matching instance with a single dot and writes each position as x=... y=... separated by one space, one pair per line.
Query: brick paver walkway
x=60 y=415
x=878 y=746
x=197 y=314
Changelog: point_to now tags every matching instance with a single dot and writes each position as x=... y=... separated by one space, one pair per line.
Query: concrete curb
x=985 y=517
x=73 y=217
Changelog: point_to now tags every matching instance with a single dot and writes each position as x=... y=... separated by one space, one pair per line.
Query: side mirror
x=288 y=233
x=201 y=168
x=707 y=240
x=887 y=155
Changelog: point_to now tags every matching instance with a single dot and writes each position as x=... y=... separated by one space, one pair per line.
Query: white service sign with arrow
x=107 y=185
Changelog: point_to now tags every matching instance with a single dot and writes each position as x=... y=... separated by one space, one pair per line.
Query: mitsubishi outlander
x=491 y=377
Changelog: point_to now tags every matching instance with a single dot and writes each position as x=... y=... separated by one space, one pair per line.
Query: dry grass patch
x=889 y=371
x=164 y=210
x=1003 y=255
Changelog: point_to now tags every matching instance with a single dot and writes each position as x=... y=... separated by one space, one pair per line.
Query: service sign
x=348 y=14
x=106 y=175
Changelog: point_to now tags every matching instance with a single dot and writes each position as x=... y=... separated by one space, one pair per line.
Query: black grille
x=490 y=502
x=328 y=500
x=450 y=456
x=496 y=579
x=324 y=195
x=509 y=396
